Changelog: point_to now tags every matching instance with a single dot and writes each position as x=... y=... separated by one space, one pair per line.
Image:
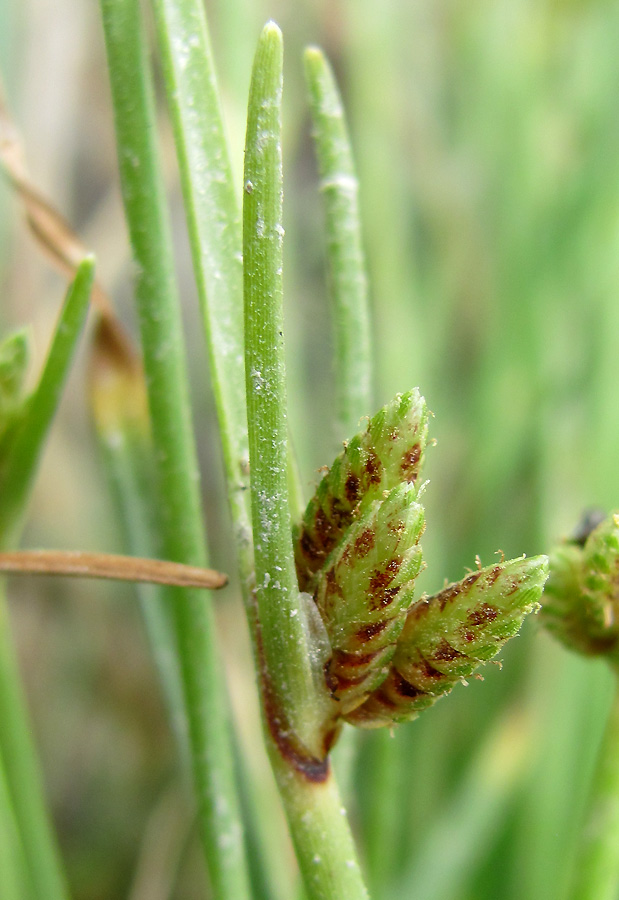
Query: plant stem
x=346 y=262
x=283 y=638
x=598 y=871
x=12 y=864
x=23 y=776
x=294 y=705
x=177 y=474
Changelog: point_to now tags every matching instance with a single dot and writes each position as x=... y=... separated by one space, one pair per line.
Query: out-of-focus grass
x=486 y=142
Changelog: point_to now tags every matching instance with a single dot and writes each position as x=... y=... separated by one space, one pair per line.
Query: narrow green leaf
x=14 y=358
x=12 y=863
x=179 y=508
x=214 y=223
x=346 y=263
x=597 y=869
x=23 y=776
x=28 y=436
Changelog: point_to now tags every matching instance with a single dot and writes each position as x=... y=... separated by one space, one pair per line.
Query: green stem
x=598 y=872
x=12 y=864
x=179 y=512
x=294 y=705
x=346 y=262
x=283 y=636
x=23 y=776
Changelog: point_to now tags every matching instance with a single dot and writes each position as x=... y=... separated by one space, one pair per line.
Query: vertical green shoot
x=282 y=628
x=294 y=706
x=346 y=262
x=598 y=867
x=180 y=521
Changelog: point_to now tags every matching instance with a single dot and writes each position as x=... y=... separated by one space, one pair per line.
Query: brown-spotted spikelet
x=447 y=636
x=388 y=453
x=581 y=601
x=365 y=591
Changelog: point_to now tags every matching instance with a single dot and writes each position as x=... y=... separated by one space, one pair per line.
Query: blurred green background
x=486 y=136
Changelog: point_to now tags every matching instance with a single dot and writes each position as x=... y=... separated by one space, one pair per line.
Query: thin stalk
x=346 y=262
x=13 y=869
x=293 y=702
x=119 y=408
x=598 y=871
x=177 y=474
x=23 y=776
x=20 y=465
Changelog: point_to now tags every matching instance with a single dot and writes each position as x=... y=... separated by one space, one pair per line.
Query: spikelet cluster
x=581 y=601
x=358 y=553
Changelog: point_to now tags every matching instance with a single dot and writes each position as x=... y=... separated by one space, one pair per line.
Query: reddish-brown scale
x=373 y=468
x=447 y=595
x=397 y=526
x=418 y=610
x=364 y=543
x=454 y=590
x=343 y=659
x=382 y=577
x=330 y=679
x=340 y=516
x=465 y=634
x=386 y=598
x=471 y=579
x=427 y=671
x=332 y=596
x=403 y=687
x=351 y=489
x=409 y=465
x=323 y=533
x=394 y=434
x=446 y=652
x=380 y=698
x=309 y=549
x=482 y=614
x=345 y=682
x=370 y=631
x=494 y=574
x=345 y=555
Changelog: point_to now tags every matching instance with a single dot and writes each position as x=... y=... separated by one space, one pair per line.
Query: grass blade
x=19 y=467
x=346 y=262
x=180 y=521
x=214 y=224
